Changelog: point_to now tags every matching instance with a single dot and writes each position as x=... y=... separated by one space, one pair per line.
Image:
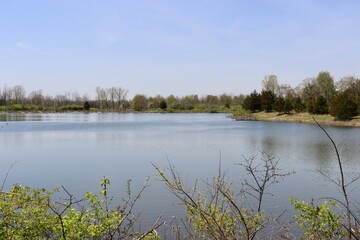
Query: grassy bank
x=324 y=119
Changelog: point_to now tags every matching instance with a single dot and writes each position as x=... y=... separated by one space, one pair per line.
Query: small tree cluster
x=113 y=98
x=268 y=101
x=207 y=103
x=318 y=95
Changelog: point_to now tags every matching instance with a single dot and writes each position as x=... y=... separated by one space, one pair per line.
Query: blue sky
x=175 y=47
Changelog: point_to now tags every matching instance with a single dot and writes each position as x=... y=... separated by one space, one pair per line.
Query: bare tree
x=120 y=94
x=262 y=175
x=346 y=83
x=286 y=90
x=102 y=98
x=111 y=92
x=84 y=98
x=5 y=95
x=62 y=99
x=270 y=83
x=76 y=98
x=18 y=94
x=36 y=97
x=49 y=101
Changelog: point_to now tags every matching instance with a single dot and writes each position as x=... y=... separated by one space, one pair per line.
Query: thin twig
x=7 y=174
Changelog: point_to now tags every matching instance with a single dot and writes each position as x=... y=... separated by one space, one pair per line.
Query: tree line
x=113 y=99
x=316 y=95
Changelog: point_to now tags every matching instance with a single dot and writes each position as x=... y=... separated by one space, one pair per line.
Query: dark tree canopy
x=267 y=100
x=87 y=106
x=299 y=105
x=252 y=102
x=288 y=106
x=163 y=104
x=343 y=106
x=279 y=104
x=320 y=106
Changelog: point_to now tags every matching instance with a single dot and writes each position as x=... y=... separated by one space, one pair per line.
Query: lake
x=77 y=149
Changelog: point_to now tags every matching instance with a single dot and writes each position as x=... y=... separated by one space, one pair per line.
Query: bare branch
x=7 y=174
x=263 y=174
x=342 y=184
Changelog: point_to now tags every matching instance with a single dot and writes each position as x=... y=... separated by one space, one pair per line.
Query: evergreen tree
x=252 y=102
x=288 y=106
x=279 y=104
x=86 y=106
x=320 y=106
x=298 y=105
x=343 y=106
x=267 y=100
x=163 y=104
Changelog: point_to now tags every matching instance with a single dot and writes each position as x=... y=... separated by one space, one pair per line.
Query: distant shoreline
x=306 y=118
x=297 y=118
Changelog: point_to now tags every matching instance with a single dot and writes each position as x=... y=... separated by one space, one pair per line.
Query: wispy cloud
x=25 y=47
x=109 y=38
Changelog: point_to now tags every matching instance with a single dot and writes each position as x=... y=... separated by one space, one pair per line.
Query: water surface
x=76 y=150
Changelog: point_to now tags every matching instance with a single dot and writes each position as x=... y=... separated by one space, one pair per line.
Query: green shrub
x=22 y=107
x=27 y=213
x=71 y=107
x=16 y=107
x=239 y=111
x=318 y=221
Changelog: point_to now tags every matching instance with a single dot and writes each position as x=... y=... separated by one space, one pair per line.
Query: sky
x=175 y=47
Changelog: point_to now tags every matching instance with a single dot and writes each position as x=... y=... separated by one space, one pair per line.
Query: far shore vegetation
x=331 y=102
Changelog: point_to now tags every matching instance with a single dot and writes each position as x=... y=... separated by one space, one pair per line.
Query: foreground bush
x=221 y=211
x=27 y=213
x=319 y=221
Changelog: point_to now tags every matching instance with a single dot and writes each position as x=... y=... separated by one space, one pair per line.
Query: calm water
x=77 y=150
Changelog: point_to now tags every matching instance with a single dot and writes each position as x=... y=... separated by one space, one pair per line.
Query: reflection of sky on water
x=76 y=150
